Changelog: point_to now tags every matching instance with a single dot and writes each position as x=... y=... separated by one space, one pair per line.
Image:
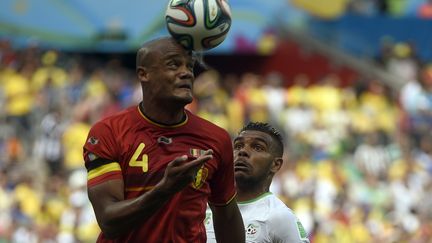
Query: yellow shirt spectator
x=325 y=97
x=74 y=138
x=95 y=87
x=28 y=199
x=235 y=116
x=55 y=74
x=297 y=95
x=379 y=109
x=18 y=95
x=257 y=105
x=49 y=71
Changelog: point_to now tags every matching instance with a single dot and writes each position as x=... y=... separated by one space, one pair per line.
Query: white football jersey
x=266 y=219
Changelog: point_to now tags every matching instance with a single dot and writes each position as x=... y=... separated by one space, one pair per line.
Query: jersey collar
x=256 y=199
x=160 y=124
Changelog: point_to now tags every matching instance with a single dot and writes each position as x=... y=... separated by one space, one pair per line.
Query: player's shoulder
x=121 y=117
x=279 y=210
x=114 y=125
x=284 y=223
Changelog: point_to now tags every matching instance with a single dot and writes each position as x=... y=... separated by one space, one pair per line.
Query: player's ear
x=276 y=164
x=142 y=73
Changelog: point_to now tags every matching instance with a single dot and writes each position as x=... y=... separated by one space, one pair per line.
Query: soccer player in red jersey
x=153 y=167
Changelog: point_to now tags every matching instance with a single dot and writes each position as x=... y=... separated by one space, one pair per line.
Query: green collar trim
x=256 y=199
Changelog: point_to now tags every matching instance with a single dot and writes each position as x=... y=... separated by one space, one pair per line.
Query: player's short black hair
x=273 y=132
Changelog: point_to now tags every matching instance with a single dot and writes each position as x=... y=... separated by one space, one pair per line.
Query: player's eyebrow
x=240 y=139
x=260 y=140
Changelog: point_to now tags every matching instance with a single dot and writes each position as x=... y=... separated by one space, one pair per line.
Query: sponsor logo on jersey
x=93 y=141
x=200 y=178
x=164 y=140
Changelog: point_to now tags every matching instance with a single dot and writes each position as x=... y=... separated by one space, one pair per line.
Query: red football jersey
x=131 y=147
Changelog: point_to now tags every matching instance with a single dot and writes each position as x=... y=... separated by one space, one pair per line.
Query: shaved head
x=165 y=70
x=150 y=49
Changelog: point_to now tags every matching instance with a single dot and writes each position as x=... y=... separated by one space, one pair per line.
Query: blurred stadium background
x=347 y=81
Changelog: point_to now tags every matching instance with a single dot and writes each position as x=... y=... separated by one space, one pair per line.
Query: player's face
x=171 y=74
x=252 y=157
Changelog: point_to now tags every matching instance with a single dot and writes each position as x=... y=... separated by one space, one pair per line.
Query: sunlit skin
x=255 y=163
x=165 y=70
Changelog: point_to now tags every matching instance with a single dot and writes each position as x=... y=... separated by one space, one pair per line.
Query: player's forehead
x=249 y=136
x=168 y=48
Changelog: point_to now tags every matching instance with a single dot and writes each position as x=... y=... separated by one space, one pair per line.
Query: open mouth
x=240 y=165
x=185 y=86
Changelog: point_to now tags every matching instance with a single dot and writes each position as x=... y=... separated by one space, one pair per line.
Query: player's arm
x=228 y=223
x=227 y=220
x=116 y=215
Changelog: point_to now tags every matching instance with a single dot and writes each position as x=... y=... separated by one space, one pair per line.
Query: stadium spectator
x=48 y=146
x=416 y=100
x=371 y=156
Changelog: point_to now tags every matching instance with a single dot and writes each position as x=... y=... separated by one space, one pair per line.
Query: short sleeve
x=222 y=184
x=100 y=155
x=285 y=227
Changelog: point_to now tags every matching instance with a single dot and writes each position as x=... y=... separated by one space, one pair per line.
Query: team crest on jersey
x=93 y=141
x=252 y=231
x=200 y=178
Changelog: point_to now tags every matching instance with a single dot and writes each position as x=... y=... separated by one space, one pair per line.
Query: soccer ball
x=198 y=25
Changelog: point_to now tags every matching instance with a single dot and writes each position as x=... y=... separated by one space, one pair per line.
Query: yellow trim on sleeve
x=114 y=166
x=138 y=189
x=224 y=204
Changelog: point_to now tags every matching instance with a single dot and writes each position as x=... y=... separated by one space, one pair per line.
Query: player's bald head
x=151 y=49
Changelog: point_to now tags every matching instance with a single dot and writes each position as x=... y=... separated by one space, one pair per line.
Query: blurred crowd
x=394 y=8
x=358 y=158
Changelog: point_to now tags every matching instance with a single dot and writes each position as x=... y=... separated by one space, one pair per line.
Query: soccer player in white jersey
x=258 y=151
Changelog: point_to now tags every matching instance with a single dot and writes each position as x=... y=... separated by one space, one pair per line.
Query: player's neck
x=163 y=115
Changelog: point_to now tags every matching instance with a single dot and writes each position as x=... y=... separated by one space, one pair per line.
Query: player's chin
x=242 y=178
x=241 y=174
x=184 y=97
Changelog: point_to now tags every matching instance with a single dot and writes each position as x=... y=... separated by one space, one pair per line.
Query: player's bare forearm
x=116 y=215
x=228 y=223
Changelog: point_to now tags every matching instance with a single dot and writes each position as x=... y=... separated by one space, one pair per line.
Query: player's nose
x=242 y=152
x=186 y=72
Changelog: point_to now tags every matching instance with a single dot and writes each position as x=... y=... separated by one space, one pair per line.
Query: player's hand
x=181 y=172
